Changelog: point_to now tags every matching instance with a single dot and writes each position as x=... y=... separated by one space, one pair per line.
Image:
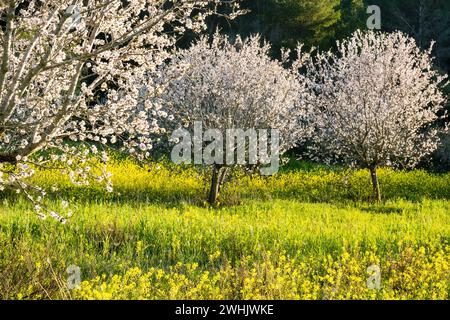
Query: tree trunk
x=215 y=185
x=375 y=185
x=222 y=176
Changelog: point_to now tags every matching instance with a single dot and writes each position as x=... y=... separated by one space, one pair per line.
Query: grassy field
x=307 y=233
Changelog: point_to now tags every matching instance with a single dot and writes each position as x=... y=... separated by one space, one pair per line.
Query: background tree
x=310 y=21
x=285 y=22
x=376 y=100
x=227 y=85
x=58 y=57
x=353 y=17
x=424 y=20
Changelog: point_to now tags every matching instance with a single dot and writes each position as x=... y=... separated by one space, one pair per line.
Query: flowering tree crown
x=376 y=101
x=73 y=70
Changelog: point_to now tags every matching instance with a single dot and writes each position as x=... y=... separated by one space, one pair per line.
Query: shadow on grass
x=173 y=197
x=382 y=209
x=173 y=187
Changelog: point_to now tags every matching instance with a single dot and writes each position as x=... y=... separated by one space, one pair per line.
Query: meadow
x=307 y=233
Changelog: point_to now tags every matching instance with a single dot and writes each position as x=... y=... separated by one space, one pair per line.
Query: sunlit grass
x=303 y=234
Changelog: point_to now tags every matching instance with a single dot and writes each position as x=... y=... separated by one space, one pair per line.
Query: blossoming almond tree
x=224 y=85
x=74 y=70
x=376 y=101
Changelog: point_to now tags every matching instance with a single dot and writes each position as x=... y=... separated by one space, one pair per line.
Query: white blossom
x=46 y=50
x=376 y=101
x=225 y=84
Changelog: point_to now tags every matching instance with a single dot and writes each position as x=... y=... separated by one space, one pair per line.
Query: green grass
x=307 y=233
